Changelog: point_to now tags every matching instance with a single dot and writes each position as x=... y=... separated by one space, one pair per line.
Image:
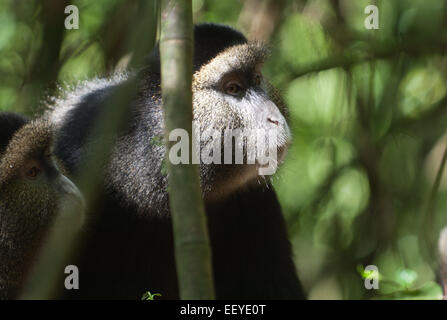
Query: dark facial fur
x=31 y=191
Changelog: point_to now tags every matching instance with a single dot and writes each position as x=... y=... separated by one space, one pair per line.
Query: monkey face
x=33 y=193
x=231 y=102
x=33 y=189
x=231 y=97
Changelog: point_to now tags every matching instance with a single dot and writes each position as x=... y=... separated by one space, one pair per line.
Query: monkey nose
x=69 y=188
x=274 y=121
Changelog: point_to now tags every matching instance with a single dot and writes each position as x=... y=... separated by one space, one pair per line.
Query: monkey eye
x=258 y=79
x=233 y=88
x=32 y=170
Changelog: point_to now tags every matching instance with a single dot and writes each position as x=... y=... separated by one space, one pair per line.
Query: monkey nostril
x=273 y=121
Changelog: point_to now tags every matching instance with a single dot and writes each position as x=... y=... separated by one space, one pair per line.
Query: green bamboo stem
x=192 y=249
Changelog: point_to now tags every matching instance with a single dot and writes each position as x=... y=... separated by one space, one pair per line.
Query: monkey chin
x=236 y=177
x=230 y=177
x=71 y=209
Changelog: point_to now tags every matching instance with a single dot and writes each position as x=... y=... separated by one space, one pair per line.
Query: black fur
x=207 y=44
x=129 y=246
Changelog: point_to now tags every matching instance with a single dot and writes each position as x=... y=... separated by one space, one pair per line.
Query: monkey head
x=231 y=101
x=231 y=97
x=30 y=175
x=32 y=192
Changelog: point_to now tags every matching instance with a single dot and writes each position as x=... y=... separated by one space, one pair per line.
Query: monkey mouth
x=268 y=167
x=282 y=152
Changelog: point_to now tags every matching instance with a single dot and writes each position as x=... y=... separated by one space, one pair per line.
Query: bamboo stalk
x=191 y=241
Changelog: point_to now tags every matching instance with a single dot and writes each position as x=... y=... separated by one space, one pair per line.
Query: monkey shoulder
x=76 y=115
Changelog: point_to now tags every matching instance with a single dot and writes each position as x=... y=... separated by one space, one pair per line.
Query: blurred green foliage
x=368 y=115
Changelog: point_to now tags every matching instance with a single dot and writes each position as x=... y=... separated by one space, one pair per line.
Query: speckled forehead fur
x=239 y=57
x=31 y=140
